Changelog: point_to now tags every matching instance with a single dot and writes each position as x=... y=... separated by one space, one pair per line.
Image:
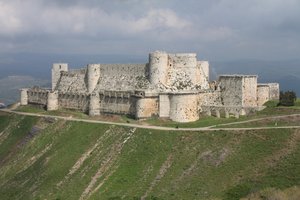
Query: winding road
x=208 y=128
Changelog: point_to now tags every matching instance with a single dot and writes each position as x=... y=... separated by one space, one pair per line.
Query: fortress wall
x=117 y=102
x=94 y=106
x=52 y=101
x=185 y=64
x=250 y=91
x=227 y=111
x=73 y=72
x=231 y=87
x=159 y=65
x=112 y=70
x=164 y=105
x=203 y=74
x=57 y=68
x=93 y=75
x=122 y=77
x=73 y=101
x=274 y=91
x=72 y=82
x=37 y=97
x=146 y=107
x=263 y=94
x=210 y=98
x=184 y=107
x=24 y=97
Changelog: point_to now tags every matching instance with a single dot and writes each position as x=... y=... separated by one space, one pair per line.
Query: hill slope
x=42 y=158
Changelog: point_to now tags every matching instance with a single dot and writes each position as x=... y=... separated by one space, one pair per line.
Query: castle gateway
x=174 y=86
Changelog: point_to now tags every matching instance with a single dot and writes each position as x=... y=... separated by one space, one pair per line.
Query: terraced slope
x=42 y=158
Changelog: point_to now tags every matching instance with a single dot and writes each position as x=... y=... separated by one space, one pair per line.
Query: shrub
x=271 y=103
x=287 y=98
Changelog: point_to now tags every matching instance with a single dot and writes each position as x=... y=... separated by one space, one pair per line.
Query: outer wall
x=146 y=107
x=184 y=107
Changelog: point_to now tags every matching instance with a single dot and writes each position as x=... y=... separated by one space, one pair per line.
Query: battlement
x=170 y=85
x=237 y=76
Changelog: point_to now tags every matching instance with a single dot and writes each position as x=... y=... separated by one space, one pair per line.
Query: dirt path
x=107 y=167
x=209 y=128
x=162 y=171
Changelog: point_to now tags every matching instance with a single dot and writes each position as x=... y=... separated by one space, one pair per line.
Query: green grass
x=31 y=109
x=169 y=165
x=272 y=103
x=272 y=122
x=60 y=112
x=4 y=120
x=297 y=103
x=12 y=143
x=204 y=121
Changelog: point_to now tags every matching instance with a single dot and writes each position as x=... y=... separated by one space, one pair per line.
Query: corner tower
x=57 y=68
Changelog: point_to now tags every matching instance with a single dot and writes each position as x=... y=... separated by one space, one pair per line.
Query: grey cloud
x=221 y=29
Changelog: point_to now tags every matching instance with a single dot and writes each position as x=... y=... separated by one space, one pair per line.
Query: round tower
x=158 y=67
x=184 y=107
x=24 y=97
x=56 y=69
x=94 y=107
x=93 y=75
x=52 y=101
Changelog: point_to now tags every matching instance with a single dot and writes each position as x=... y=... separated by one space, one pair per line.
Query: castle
x=174 y=86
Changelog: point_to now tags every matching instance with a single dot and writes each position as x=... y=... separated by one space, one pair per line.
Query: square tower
x=238 y=90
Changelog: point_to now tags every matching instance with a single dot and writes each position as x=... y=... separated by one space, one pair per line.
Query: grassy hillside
x=42 y=158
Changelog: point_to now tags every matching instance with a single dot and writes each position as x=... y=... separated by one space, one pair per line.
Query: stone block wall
x=92 y=75
x=231 y=87
x=209 y=98
x=177 y=72
x=186 y=64
x=164 y=105
x=117 y=102
x=74 y=101
x=274 y=91
x=203 y=77
x=146 y=107
x=72 y=82
x=52 y=101
x=24 y=97
x=184 y=107
x=169 y=85
x=37 y=96
x=158 y=67
x=249 y=90
x=94 y=106
x=123 y=77
x=263 y=94
x=57 y=68
x=238 y=90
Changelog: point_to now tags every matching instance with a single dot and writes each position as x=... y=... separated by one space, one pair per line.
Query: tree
x=287 y=98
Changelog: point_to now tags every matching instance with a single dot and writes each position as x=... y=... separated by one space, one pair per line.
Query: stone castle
x=174 y=86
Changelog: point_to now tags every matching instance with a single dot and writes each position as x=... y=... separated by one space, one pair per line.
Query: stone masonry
x=174 y=86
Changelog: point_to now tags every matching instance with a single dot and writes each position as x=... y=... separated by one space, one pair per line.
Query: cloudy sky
x=215 y=29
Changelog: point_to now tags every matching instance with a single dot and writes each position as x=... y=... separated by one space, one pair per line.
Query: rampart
x=174 y=86
x=37 y=96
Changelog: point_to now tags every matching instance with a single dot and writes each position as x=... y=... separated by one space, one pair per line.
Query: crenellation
x=174 y=86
